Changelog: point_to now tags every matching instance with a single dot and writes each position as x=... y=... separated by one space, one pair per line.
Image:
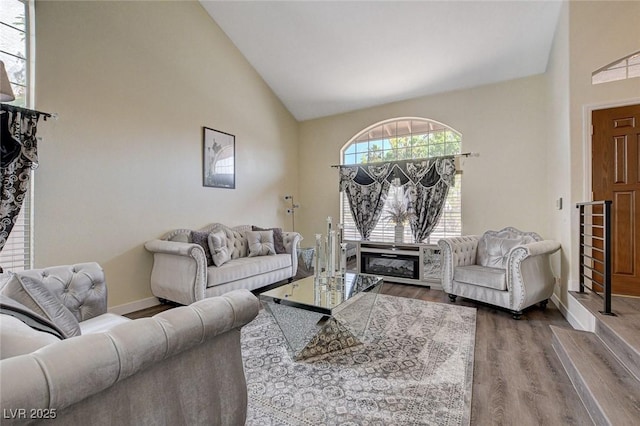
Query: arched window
x=404 y=139
x=622 y=69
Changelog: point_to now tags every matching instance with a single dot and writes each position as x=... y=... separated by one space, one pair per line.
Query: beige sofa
x=182 y=274
x=183 y=366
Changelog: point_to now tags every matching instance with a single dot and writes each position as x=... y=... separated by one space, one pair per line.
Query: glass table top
x=321 y=294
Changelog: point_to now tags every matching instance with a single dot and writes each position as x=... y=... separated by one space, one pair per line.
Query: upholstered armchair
x=508 y=268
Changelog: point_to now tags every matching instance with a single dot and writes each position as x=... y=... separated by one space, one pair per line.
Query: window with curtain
x=404 y=139
x=15 y=41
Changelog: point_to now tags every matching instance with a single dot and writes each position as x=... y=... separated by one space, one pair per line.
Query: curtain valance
x=428 y=182
x=424 y=172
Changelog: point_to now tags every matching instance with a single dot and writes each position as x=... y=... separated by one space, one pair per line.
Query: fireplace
x=390 y=265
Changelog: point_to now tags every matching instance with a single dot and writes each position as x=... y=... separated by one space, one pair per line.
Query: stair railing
x=595 y=250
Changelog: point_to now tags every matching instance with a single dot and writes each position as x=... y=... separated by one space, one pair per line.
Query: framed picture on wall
x=219 y=165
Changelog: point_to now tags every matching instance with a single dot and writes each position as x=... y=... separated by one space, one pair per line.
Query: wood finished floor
x=517 y=377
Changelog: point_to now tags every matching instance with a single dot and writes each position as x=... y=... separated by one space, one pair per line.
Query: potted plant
x=398 y=213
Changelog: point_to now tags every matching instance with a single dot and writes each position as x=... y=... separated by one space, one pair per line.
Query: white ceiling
x=323 y=57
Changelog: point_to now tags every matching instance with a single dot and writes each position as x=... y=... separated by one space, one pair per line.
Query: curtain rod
x=15 y=108
x=464 y=154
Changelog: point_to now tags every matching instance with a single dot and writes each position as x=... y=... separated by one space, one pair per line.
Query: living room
x=134 y=83
x=144 y=160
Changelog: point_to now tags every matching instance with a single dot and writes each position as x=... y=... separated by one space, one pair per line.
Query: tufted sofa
x=182 y=366
x=182 y=274
x=507 y=268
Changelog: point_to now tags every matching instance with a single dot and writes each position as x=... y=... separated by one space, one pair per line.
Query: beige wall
x=558 y=155
x=505 y=186
x=600 y=33
x=133 y=84
x=589 y=36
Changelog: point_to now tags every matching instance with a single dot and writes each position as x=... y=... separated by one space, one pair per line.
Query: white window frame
x=17 y=253
x=622 y=69
x=450 y=223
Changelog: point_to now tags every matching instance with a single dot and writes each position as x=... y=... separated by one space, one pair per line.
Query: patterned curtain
x=367 y=188
x=427 y=183
x=18 y=156
x=428 y=187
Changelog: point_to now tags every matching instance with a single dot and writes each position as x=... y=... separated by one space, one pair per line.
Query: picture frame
x=218 y=155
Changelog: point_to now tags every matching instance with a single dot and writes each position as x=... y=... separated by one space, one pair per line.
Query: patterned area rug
x=414 y=368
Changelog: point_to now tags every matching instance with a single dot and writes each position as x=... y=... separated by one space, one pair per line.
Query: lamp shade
x=6 y=93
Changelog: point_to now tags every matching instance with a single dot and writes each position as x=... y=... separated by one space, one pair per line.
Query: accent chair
x=508 y=268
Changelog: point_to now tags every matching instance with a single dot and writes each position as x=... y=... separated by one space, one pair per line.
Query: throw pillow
x=182 y=237
x=10 y=307
x=236 y=240
x=202 y=239
x=278 y=238
x=260 y=243
x=218 y=247
x=494 y=252
x=35 y=296
x=19 y=339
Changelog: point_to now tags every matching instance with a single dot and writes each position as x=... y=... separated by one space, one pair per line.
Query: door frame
x=587 y=142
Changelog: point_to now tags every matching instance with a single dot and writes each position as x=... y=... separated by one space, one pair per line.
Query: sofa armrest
x=292 y=243
x=81 y=288
x=529 y=275
x=172 y=247
x=539 y=248
x=63 y=374
x=456 y=251
x=179 y=271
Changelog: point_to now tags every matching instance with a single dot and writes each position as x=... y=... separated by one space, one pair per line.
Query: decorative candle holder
x=343 y=258
x=317 y=265
x=329 y=259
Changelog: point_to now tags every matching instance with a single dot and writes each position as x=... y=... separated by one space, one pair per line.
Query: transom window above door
x=405 y=138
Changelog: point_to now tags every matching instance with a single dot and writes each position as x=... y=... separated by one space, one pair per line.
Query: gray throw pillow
x=278 y=238
x=202 y=239
x=19 y=339
x=37 y=297
x=218 y=247
x=10 y=307
x=260 y=243
x=182 y=237
x=494 y=251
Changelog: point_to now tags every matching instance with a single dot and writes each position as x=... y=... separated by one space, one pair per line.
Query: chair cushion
x=482 y=276
x=36 y=296
x=102 y=323
x=246 y=267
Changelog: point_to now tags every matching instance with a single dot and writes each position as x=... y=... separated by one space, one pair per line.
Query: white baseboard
x=127 y=308
x=577 y=315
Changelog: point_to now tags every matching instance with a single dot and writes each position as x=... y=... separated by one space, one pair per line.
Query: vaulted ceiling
x=323 y=57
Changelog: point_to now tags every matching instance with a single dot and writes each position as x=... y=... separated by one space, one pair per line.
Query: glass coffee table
x=318 y=315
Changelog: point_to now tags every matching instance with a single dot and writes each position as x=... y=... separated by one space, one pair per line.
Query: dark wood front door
x=615 y=164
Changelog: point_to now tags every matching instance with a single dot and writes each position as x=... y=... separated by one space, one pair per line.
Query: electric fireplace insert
x=390 y=265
